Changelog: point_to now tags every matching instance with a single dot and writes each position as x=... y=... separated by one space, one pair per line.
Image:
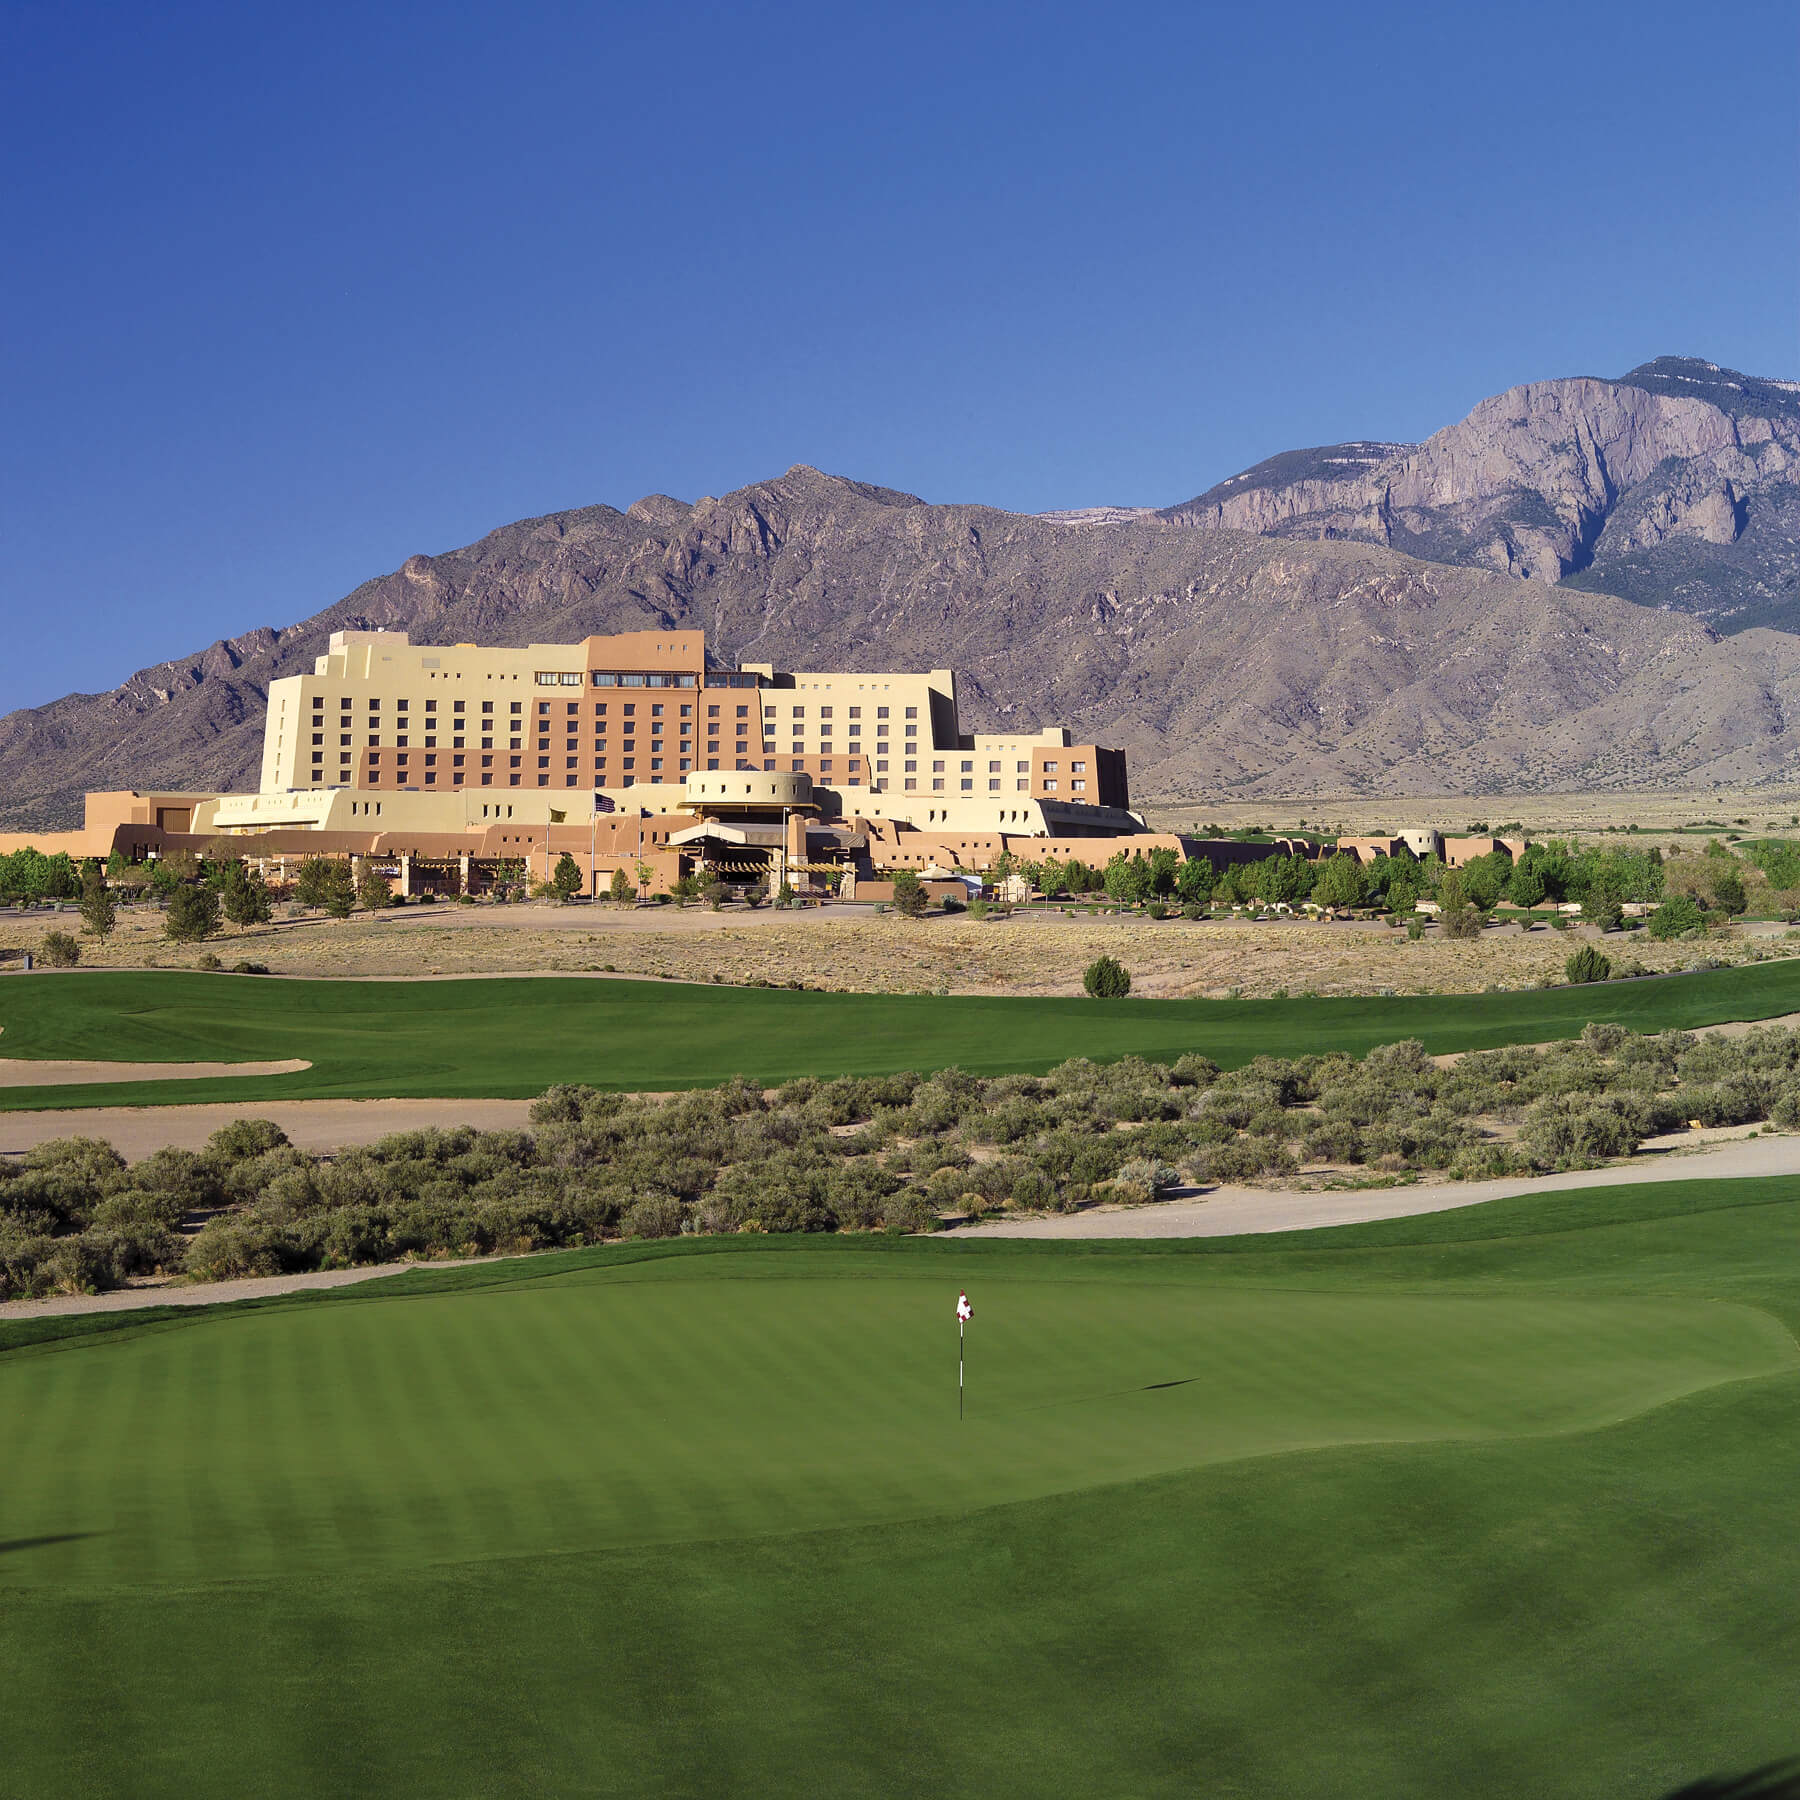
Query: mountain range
x=1574 y=587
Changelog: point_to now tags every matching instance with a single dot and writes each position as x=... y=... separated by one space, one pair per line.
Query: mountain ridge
x=1678 y=485
x=1287 y=659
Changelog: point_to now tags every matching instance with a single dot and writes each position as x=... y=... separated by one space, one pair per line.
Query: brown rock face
x=1579 y=478
x=1221 y=661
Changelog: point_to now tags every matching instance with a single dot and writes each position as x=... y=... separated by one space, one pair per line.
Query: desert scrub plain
x=890 y=1153
x=884 y=953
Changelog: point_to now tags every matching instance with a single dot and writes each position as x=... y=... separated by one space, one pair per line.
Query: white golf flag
x=964 y=1311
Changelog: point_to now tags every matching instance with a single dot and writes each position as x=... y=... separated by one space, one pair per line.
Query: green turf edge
x=511 y=1038
x=1556 y=1213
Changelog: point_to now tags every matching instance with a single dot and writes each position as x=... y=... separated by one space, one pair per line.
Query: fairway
x=1491 y=1502
x=516 y=1037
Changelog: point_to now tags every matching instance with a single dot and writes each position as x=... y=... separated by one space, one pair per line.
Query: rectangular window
x=912 y=712
x=993 y=787
x=1077 y=768
x=993 y=768
x=937 y=784
x=1049 y=768
x=512 y=762
x=1078 y=787
x=909 y=785
x=937 y=768
x=543 y=762
x=1050 y=787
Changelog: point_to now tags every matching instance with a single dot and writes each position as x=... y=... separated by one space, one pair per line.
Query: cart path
x=1244 y=1211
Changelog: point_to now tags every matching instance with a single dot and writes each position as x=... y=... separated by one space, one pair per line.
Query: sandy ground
x=853 y=949
x=315 y=1125
x=1243 y=1211
x=16 y=1072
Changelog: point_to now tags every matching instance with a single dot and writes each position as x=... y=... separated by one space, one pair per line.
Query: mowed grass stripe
x=576 y=1416
x=517 y=1037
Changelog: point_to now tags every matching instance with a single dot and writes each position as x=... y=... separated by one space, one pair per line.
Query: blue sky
x=293 y=293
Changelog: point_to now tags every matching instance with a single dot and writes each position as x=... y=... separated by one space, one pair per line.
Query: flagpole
x=960 y=1328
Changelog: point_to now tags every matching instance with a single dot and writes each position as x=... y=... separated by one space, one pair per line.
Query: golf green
x=1488 y=1503
x=518 y=1036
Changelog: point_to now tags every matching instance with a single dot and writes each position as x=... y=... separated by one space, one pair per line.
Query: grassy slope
x=394 y=1541
x=517 y=1037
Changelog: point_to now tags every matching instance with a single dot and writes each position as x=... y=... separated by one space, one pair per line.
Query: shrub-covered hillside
x=884 y=1153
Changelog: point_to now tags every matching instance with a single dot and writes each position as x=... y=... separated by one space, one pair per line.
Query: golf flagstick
x=964 y=1313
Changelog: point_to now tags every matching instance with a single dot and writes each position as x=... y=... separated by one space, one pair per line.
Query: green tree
x=1339 y=882
x=1165 y=867
x=373 y=889
x=1526 y=887
x=98 y=913
x=1728 y=893
x=1106 y=979
x=567 y=879
x=1128 y=879
x=193 y=915
x=1485 y=878
x=1678 y=916
x=313 y=880
x=244 y=895
x=909 y=895
x=1194 y=880
x=1587 y=964
x=1287 y=878
x=619 y=888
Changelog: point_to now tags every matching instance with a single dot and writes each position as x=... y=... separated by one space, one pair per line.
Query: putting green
x=665 y=1401
x=1491 y=1502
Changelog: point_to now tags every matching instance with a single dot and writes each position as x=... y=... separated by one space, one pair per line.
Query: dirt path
x=315 y=1125
x=215 y=1293
x=1240 y=1211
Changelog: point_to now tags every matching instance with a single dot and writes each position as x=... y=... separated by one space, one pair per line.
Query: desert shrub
x=1106 y=979
x=244 y=1138
x=1143 y=1179
x=61 y=950
x=1332 y=1141
x=1460 y=922
x=1602 y=1039
x=1587 y=964
x=1564 y=1132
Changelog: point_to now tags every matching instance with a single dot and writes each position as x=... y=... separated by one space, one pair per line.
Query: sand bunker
x=16 y=1072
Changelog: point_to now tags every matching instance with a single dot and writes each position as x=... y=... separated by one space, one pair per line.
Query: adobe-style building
x=442 y=762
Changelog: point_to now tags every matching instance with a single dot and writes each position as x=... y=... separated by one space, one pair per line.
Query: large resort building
x=443 y=762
